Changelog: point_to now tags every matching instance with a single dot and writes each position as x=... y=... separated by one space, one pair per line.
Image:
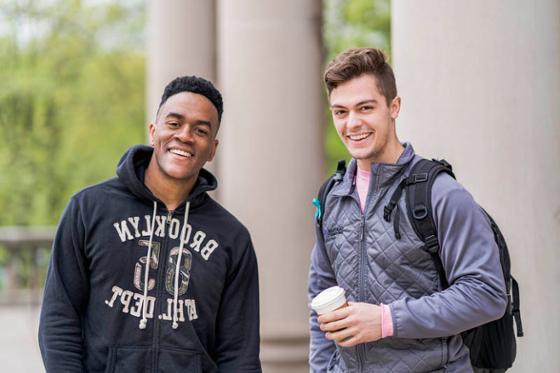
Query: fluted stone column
x=181 y=40
x=271 y=161
x=480 y=82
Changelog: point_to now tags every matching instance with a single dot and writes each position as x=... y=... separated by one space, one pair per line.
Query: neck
x=390 y=155
x=172 y=192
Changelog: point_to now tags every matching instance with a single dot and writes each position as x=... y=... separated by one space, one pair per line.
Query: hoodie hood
x=132 y=168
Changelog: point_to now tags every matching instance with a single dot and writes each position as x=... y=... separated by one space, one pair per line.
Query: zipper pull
x=169 y=216
x=362 y=225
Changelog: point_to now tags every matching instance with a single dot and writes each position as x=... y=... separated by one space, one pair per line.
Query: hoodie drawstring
x=178 y=266
x=144 y=319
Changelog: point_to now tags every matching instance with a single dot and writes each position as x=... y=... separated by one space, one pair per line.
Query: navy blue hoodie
x=200 y=311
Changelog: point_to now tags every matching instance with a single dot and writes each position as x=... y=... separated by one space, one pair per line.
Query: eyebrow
x=181 y=117
x=175 y=115
x=370 y=101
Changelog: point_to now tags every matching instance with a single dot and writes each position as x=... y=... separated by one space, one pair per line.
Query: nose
x=185 y=134
x=353 y=120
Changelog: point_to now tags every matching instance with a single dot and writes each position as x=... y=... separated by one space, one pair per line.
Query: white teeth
x=181 y=152
x=359 y=136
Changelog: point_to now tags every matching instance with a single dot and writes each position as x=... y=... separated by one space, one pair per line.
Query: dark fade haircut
x=197 y=85
x=358 y=61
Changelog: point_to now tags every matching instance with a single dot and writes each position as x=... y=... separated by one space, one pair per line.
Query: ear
x=213 y=151
x=151 y=131
x=395 y=107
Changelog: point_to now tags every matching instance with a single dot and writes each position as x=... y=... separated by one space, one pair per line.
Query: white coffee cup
x=329 y=300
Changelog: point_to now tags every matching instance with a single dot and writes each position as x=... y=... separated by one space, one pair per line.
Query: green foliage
x=352 y=24
x=71 y=100
x=72 y=93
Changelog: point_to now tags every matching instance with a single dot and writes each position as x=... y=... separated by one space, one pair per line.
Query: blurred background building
x=480 y=83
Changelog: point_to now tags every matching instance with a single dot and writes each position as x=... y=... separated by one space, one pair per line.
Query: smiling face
x=364 y=121
x=183 y=137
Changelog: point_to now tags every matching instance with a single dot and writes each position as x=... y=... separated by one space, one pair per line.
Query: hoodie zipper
x=160 y=294
x=169 y=216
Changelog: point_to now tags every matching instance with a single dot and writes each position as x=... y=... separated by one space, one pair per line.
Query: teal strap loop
x=317 y=204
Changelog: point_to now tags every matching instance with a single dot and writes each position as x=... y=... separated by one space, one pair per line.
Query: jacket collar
x=384 y=172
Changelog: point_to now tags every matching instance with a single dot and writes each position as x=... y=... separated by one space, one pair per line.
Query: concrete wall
x=480 y=82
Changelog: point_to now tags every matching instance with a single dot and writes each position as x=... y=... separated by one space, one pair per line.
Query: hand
x=357 y=323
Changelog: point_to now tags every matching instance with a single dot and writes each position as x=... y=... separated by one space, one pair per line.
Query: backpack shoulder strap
x=321 y=199
x=419 y=206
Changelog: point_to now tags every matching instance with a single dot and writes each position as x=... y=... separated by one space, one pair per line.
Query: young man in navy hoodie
x=148 y=273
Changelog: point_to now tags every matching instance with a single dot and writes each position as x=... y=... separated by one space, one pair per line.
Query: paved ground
x=19 y=351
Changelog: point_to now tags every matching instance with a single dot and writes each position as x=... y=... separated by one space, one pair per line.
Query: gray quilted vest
x=374 y=267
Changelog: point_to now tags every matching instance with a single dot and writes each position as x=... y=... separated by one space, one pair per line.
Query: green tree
x=71 y=100
x=352 y=24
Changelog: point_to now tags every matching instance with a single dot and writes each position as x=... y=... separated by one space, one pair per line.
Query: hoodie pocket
x=173 y=360
x=129 y=359
x=139 y=360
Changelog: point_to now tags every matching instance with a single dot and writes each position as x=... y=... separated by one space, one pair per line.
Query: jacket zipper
x=361 y=347
x=363 y=257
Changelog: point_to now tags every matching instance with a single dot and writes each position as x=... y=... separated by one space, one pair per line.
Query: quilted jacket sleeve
x=470 y=258
x=321 y=276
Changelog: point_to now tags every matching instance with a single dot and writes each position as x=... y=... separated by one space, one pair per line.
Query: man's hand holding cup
x=347 y=323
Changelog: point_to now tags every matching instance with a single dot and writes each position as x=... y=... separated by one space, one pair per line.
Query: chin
x=362 y=155
x=180 y=174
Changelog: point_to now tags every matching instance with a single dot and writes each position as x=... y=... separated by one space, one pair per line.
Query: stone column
x=181 y=40
x=271 y=161
x=480 y=82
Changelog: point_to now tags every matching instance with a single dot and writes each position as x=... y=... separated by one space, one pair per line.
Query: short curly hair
x=197 y=85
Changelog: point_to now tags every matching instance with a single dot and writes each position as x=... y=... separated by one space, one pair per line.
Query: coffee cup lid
x=328 y=300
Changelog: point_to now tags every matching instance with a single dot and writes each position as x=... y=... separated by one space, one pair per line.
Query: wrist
x=386 y=321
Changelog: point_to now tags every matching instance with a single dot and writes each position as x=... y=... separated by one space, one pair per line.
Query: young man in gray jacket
x=399 y=318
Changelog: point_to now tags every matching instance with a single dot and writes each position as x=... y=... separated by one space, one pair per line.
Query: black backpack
x=492 y=345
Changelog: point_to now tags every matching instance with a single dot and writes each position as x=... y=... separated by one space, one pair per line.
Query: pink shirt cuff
x=386 y=321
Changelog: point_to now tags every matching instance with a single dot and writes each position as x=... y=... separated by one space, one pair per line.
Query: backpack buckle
x=340 y=170
x=432 y=245
x=417 y=178
x=387 y=213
